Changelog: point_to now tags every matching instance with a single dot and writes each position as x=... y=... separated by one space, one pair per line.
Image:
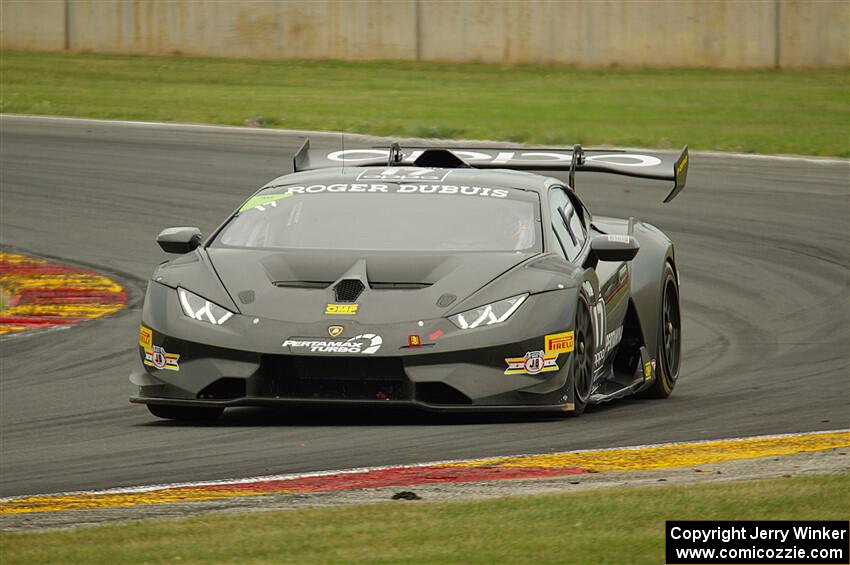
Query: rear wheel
x=185 y=413
x=668 y=358
x=582 y=358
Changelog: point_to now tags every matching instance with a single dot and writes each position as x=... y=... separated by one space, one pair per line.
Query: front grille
x=342 y=378
x=440 y=393
x=347 y=290
x=225 y=388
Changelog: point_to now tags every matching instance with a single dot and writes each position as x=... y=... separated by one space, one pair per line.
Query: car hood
x=298 y=286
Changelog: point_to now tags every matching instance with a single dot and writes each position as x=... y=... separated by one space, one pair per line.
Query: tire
x=669 y=351
x=185 y=413
x=582 y=358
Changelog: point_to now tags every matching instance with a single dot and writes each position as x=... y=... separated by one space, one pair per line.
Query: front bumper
x=243 y=363
x=203 y=375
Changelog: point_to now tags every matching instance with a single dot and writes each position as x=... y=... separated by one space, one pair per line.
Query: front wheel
x=185 y=413
x=669 y=338
x=582 y=358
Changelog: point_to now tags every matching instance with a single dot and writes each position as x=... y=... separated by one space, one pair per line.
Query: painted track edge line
x=311 y=474
x=367 y=137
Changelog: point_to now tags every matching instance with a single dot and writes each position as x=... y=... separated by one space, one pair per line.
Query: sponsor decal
x=340 y=309
x=404 y=173
x=647 y=371
x=560 y=343
x=161 y=359
x=365 y=344
x=414 y=341
x=461 y=190
x=618 y=238
x=532 y=363
x=682 y=166
x=262 y=202
x=611 y=341
x=504 y=157
x=334 y=331
x=434 y=336
x=145 y=338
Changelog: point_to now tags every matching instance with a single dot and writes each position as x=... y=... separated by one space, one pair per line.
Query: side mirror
x=612 y=247
x=179 y=240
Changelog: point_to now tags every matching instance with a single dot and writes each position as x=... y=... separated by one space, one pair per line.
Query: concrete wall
x=693 y=33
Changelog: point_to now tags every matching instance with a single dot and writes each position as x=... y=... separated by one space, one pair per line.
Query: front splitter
x=330 y=402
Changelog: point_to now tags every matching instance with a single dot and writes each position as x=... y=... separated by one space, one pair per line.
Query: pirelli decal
x=560 y=343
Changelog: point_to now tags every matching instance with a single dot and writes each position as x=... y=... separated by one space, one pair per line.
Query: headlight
x=494 y=313
x=202 y=309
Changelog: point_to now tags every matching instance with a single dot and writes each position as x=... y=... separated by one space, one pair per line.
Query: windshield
x=387 y=217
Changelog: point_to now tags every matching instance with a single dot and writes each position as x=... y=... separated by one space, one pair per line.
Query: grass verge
x=623 y=525
x=761 y=111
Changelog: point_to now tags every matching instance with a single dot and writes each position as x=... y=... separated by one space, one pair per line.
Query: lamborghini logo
x=334 y=331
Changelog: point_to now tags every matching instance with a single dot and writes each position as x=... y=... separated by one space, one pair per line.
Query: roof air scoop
x=440 y=159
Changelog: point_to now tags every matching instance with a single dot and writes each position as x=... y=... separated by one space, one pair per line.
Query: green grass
x=762 y=111
x=624 y=525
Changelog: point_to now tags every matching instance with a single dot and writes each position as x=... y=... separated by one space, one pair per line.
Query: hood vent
x=347 y=290
x=398 y=285
x=303 y=284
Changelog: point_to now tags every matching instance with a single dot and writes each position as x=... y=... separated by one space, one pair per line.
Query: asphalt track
x=763 y=253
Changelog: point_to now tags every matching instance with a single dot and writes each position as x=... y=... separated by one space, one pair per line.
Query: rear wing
x=639 y=164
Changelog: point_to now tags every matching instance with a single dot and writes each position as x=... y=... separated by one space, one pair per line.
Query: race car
x=440 y=278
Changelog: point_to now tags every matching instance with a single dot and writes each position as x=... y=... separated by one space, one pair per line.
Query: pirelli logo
x=145 y=338
x=340 y=309
x=559 y=343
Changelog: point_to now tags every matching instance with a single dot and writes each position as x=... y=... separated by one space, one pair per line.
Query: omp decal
x=532 y=363
x=159 y=358
x=341 y=309
x=263 y=201
x=559 y=343
x=638 y=458
x=366 y=344
x=40 y=294
x=463 y=190
x=145 y=338
x=404 y=173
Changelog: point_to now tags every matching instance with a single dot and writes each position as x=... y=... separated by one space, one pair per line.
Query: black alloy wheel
x=582 y=358
x=669 y=356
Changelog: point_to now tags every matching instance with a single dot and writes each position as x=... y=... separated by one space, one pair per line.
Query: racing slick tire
x=669 y=353
x=185 y=413
x=582 y=369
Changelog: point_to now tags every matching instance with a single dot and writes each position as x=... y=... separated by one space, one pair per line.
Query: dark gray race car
x=444 y=279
